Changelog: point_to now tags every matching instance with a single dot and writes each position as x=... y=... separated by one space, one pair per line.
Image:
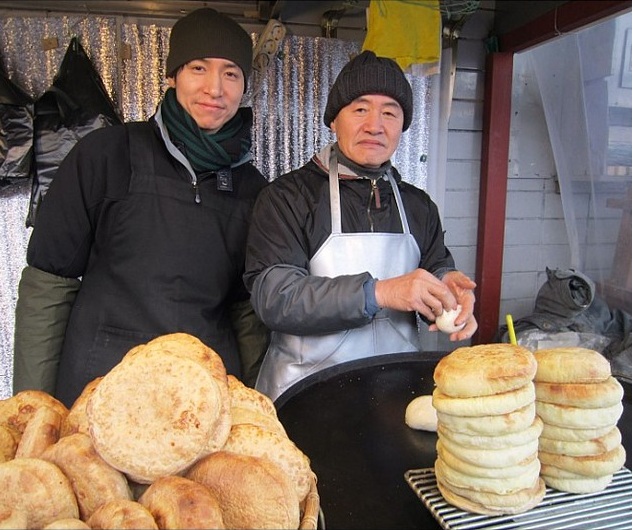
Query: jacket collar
x=322 y=157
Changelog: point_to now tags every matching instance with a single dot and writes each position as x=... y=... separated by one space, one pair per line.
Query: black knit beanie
x=207 y=33
x=368 y=74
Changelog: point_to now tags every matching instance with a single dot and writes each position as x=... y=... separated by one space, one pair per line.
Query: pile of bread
x=488 y=429
x=580 y=404
x=164 y=440
x=511 y=422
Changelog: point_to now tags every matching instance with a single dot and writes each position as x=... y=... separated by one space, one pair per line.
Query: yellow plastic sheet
x=408 y=31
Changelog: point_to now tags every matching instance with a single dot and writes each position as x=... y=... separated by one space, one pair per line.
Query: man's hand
x=420 y=291
x=417 y=291
x=462 y=288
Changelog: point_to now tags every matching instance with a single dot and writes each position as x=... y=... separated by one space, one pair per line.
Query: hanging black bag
x=76 y=104
x=16 y=132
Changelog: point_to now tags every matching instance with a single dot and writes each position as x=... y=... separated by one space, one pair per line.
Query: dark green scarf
x=207 y=152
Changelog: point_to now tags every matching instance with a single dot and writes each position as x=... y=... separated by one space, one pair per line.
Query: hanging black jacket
x=155 y=254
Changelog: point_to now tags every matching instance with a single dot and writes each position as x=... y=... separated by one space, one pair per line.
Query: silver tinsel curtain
x=288 y=100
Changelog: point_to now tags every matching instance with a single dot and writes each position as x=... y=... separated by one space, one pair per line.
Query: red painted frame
x=567 y=17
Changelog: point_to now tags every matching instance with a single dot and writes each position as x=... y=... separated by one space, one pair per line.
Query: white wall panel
x=464 y=145
x=466 y=115
x=469 y=84
x=524 y=205
x=519 y=285
x=553 y=257
x=459 y=233
x=462 y=205
x=520 y=258
x=463 y=175
x=553 y=232
x=522 y=232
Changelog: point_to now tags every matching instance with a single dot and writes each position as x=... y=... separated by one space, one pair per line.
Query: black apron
x=156 y=267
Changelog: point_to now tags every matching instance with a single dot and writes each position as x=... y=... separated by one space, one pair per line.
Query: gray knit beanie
x=207 y=33
x=368 y=74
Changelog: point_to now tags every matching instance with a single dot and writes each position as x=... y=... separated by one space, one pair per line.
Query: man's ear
x=171 y=81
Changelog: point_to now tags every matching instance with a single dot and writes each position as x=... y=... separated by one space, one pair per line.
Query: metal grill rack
x=610 y=508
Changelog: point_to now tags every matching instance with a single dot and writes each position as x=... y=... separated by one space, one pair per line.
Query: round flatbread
x=510 y=456
x=484 y=369
x=253 y=492
x=150 y=427
x=498 y=485
x=583 y=395
x=515 y=421
x=17 y=410
x=190 y=347
x=492 y=405
x=252 y=440
x=50 y=496
x=557 y=472
x=596 y=446
x=12 y=518
x=249 y=398
x=9 y=440
x=567 y=434
x=256 y=417
x=500 y=441
x=93 y=480
x=490 y=503
x=579 y=418
x=76 y=419
x=571 y=365
x=475 y=470
x=578 y=485
x=67 y=524
x=179 y=502
x=40 y=432
x=122 y=514
x=589 y=466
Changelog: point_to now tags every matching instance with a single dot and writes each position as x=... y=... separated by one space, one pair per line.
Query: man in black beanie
x=143 y=230
x=342 y=254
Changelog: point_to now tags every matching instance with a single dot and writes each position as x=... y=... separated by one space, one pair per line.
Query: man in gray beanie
x=367 y=74
x=343 y=254
x=143 y=229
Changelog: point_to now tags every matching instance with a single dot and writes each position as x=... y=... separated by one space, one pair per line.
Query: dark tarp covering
x=16 y=132
x=76 y=104
x=567 y=302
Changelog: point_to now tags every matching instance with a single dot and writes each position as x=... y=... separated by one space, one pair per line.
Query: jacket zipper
x=374 y=195
x=194 y=180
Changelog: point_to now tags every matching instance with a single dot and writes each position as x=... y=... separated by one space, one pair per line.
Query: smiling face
x=210 y=90
x=368 y=130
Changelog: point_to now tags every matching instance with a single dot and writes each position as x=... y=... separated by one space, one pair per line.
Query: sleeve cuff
x=371 y=305
x=439 y=273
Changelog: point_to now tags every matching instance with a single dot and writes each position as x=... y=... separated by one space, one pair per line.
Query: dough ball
x=420 y=414
x=446 y=321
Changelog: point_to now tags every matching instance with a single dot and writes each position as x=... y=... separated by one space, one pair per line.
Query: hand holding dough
x=420 y=414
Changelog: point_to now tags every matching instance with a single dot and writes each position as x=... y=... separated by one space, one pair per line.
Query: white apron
x=290 y=358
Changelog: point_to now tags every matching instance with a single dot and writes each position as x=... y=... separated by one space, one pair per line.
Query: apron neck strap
x=335 y=198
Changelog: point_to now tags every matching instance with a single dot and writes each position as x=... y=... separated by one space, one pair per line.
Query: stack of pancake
x=580 y=404
x=487 y=449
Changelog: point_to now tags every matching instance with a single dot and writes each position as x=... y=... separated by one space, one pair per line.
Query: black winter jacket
x=151 y=258
x=291 y=221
